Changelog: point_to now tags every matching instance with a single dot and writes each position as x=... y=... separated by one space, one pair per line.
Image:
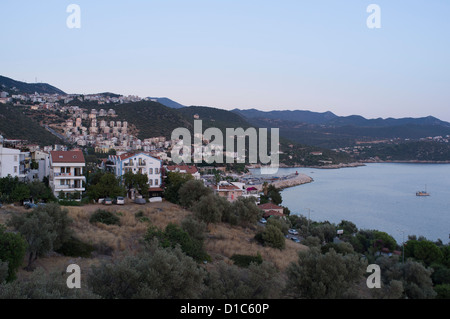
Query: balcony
x=61 y=175
x=69 y=187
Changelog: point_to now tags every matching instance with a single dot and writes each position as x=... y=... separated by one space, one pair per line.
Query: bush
x=173 y=235
x=12 y=251
x=104 y=217
x=76 y=248
x=67 y=202
x=272 y=237
x=246 y=260
x=443 y=291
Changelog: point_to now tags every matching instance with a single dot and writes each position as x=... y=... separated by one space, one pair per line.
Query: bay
x=379 y=196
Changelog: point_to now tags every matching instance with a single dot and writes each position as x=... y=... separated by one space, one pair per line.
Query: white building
x=184 y=169
x=66 y=172
x=141 y=162
x=10 y=162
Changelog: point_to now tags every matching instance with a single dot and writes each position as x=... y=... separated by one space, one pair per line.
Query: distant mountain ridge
x=16 y=87
x=331 y=119
x=167 y=102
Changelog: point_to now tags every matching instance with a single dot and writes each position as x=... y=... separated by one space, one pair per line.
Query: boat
x=423 y=193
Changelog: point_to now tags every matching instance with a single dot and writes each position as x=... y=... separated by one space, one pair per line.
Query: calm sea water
x=377 y=196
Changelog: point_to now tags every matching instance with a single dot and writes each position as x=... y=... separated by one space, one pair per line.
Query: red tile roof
x=272 y=213
x=67 y=156
x=188 y=168
x=269 y=206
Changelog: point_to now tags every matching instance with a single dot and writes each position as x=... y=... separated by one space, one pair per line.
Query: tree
x=246 y=211
x=330 y=275
x=41 y=285
x=4 y=272
x=272 y=237
x=424 y=250
x=191 y=192
x=107 y=186
x=162 y=273
x=415 y=278
x=44 y=228
x=210 y=208
x=255 y=282
x=174 y=181
x=271 y=194
x=20 y=193
x=138 y=181
x=173 y=235
x=12 y=251
x=38 y=191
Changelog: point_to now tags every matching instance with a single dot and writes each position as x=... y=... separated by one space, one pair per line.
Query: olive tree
x=330 y=275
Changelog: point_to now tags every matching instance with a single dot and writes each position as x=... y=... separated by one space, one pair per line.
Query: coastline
x=282 y=182
x=404 y=162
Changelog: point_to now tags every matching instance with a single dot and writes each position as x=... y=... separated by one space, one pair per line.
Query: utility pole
x=403 y=245
x=309 y=217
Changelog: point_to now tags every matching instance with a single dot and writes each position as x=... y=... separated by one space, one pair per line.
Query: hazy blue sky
x=314 y=55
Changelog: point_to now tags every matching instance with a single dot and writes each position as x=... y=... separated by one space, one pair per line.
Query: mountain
x=16 y=87
x=13 y=117
x=331 y=119
x=167 y=102
x=296 y=116
x=150 y=118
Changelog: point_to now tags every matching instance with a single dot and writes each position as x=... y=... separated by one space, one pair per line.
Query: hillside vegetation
x=14 y=124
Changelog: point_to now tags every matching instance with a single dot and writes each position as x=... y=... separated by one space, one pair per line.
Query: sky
x=317 y=55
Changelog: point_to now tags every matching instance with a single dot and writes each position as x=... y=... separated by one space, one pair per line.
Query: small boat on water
x=423 y=193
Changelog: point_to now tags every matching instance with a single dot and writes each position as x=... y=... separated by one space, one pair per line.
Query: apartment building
x=66 y=172
x=141 y=162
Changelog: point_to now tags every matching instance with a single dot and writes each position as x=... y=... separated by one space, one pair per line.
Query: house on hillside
x=271 y=209
x=184 y=169
x=67 y=173
x=227 y=190
x=142 y=163
x=13 y=162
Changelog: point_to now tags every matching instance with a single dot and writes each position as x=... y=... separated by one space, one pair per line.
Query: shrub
x=173 y=235
x=76 y=248
x=104 y=217
x=272 y=237
x=12 y=251
x=246 y=260
x=67 y=202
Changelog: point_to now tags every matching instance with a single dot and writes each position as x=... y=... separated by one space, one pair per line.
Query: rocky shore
x=285 y=181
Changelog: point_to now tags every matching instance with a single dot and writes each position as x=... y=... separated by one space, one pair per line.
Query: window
x=156 y=182
x=15 y=169
x=150 y=170
x=156 y=170
x=62 y=182
x=15 y=158
x=150 y=181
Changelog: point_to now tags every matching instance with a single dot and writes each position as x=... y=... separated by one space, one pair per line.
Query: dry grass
x=127 y=236
x=221 y=243
x=225 y=241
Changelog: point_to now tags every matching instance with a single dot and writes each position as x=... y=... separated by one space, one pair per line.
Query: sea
x=379 y=196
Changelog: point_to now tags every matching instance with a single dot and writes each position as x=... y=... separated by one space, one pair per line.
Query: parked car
x=119 y=201
x=295 y=239
x=140 y=201
x=30 y=205
x=263 y=221
x=107 y=201
x=155 y=199
x=293 y=232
